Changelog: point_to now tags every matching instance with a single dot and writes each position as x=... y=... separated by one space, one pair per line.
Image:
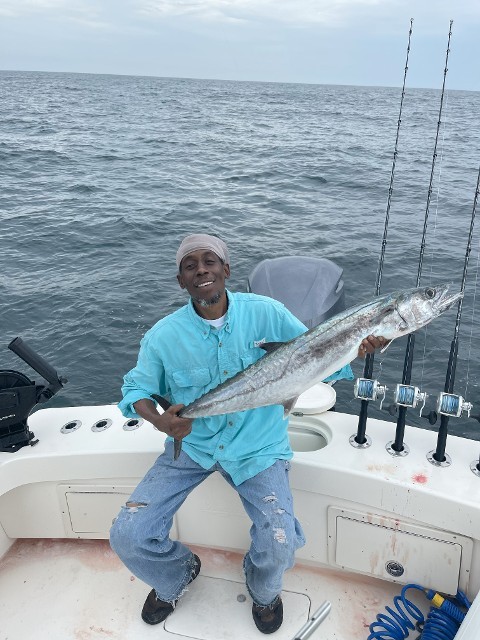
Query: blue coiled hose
x=442 y=623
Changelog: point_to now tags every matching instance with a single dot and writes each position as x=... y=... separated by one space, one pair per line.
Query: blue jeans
x=140 y=534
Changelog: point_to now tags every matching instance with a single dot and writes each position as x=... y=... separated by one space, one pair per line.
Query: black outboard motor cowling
x=19 y=394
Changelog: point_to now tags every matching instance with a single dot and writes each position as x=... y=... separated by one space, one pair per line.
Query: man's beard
x=202 y=302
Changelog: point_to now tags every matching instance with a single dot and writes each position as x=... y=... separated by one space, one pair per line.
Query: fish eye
x=430 y=293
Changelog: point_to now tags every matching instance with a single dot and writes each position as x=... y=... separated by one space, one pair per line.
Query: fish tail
x=165 y=404
x=177 y=448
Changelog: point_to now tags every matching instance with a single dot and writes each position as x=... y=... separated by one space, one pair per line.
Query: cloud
x=373 y=14
x=85 y=13
x=291 y=12
x=376 y=14
x=16 y=8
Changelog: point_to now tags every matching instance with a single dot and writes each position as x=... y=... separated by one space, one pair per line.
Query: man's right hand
x=171 y=424
x=168 y=422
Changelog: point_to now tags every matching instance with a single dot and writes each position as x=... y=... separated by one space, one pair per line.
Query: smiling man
x=203 y=274
x=213 y=337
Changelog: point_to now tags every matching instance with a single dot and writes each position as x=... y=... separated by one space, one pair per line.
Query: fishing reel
x=450 y=404
x=19 y=394
x=367 y=389
x=406 y=395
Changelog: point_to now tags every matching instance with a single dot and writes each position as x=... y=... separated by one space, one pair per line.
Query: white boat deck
x=79 y=590
x=361 y=509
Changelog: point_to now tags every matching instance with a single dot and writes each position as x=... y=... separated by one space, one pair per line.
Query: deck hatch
x=372 y=544
x=88 y=509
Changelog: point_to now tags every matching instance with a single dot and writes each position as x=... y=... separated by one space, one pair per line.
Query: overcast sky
x=361 y=42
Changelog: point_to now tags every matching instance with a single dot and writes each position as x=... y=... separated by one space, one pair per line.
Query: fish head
x=415 y=308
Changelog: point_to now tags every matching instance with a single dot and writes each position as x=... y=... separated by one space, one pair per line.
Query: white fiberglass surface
x=79 y=590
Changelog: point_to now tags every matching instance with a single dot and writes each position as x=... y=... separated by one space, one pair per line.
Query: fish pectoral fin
x=163 y=402
x=270 y=346
x=288 y=406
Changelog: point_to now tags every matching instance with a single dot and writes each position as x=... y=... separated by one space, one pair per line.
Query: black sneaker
x=155 y=610
x=268 y=619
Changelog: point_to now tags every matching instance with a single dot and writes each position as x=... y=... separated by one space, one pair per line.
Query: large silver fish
x=289 y=368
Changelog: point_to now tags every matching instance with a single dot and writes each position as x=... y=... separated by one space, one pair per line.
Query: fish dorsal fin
x=269 y=347
x=288 y=406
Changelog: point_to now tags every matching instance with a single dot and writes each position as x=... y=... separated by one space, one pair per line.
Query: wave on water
x=103 y=176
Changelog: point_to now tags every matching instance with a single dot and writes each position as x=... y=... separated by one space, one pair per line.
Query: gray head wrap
x=198 y=241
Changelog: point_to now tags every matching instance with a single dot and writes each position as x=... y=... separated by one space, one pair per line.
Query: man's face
x=203 y=275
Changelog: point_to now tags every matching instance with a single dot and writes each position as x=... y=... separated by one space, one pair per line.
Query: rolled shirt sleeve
x=146 y=378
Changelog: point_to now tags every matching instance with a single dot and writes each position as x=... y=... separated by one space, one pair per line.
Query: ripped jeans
x=140 y=534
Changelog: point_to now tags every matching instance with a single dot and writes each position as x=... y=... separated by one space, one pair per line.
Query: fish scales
x=282 y=375
x=293 y=369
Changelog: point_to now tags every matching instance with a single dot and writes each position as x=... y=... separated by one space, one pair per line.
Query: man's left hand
x=369 y=344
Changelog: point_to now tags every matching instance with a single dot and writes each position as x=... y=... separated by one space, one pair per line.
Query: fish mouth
x=447 y=301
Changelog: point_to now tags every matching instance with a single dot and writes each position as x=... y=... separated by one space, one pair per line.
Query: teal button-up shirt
x=182 y=357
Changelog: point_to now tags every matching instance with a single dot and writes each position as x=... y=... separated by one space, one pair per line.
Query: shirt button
x=219 y=344
x=225 y=373
x=230 y=423
x=221 y=446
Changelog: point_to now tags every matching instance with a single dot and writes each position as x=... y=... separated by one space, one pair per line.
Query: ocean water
x=102 y=176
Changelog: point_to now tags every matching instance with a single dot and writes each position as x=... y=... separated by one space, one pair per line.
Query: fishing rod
x=450 y=404
x=407 y=395
x=365 y=388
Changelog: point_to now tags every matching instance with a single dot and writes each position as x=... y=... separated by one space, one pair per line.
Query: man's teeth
x=204 y=284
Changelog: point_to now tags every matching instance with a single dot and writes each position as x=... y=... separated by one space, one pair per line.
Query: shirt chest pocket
x=189 y=384
x=251 y=356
